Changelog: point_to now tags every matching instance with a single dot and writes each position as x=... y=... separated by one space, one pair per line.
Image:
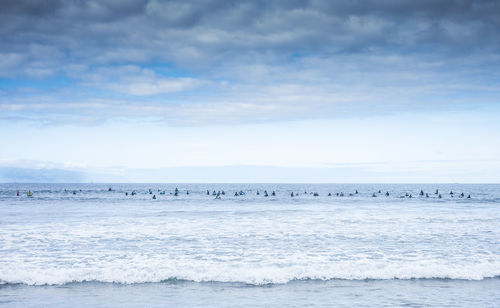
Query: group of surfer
x=160 y=192
x=462 y=195
x=220 y=193
x=29 y=193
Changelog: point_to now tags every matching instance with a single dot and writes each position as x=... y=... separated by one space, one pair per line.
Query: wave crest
x=255 y=275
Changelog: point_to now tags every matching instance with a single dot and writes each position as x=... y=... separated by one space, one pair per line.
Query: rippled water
x=102 y=247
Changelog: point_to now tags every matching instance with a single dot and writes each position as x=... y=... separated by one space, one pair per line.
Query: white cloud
x=151 y=86
x=134 y=80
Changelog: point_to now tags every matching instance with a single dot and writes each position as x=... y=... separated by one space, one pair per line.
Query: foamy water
x=99 y=236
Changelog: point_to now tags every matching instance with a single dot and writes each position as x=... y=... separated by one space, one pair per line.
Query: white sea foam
x=126 y=272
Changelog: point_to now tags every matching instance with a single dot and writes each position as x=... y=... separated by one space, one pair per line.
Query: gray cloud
x=187 y=62
x=181 y=31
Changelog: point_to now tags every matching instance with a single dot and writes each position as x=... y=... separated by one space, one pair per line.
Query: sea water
x=84 y=245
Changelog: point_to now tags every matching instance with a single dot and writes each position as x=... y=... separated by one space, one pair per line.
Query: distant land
x=43 y=175
x=243 y=174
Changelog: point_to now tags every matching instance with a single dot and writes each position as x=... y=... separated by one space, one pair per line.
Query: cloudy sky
x=371 y=91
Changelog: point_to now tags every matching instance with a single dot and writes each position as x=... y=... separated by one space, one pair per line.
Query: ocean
x=91 y=245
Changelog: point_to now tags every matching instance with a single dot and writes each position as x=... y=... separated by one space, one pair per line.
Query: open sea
x=83 y=245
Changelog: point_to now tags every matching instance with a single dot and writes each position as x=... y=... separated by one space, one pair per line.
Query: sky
x=250 y=91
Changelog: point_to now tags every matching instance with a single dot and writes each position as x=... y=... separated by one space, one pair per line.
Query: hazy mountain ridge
x=42 y=175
